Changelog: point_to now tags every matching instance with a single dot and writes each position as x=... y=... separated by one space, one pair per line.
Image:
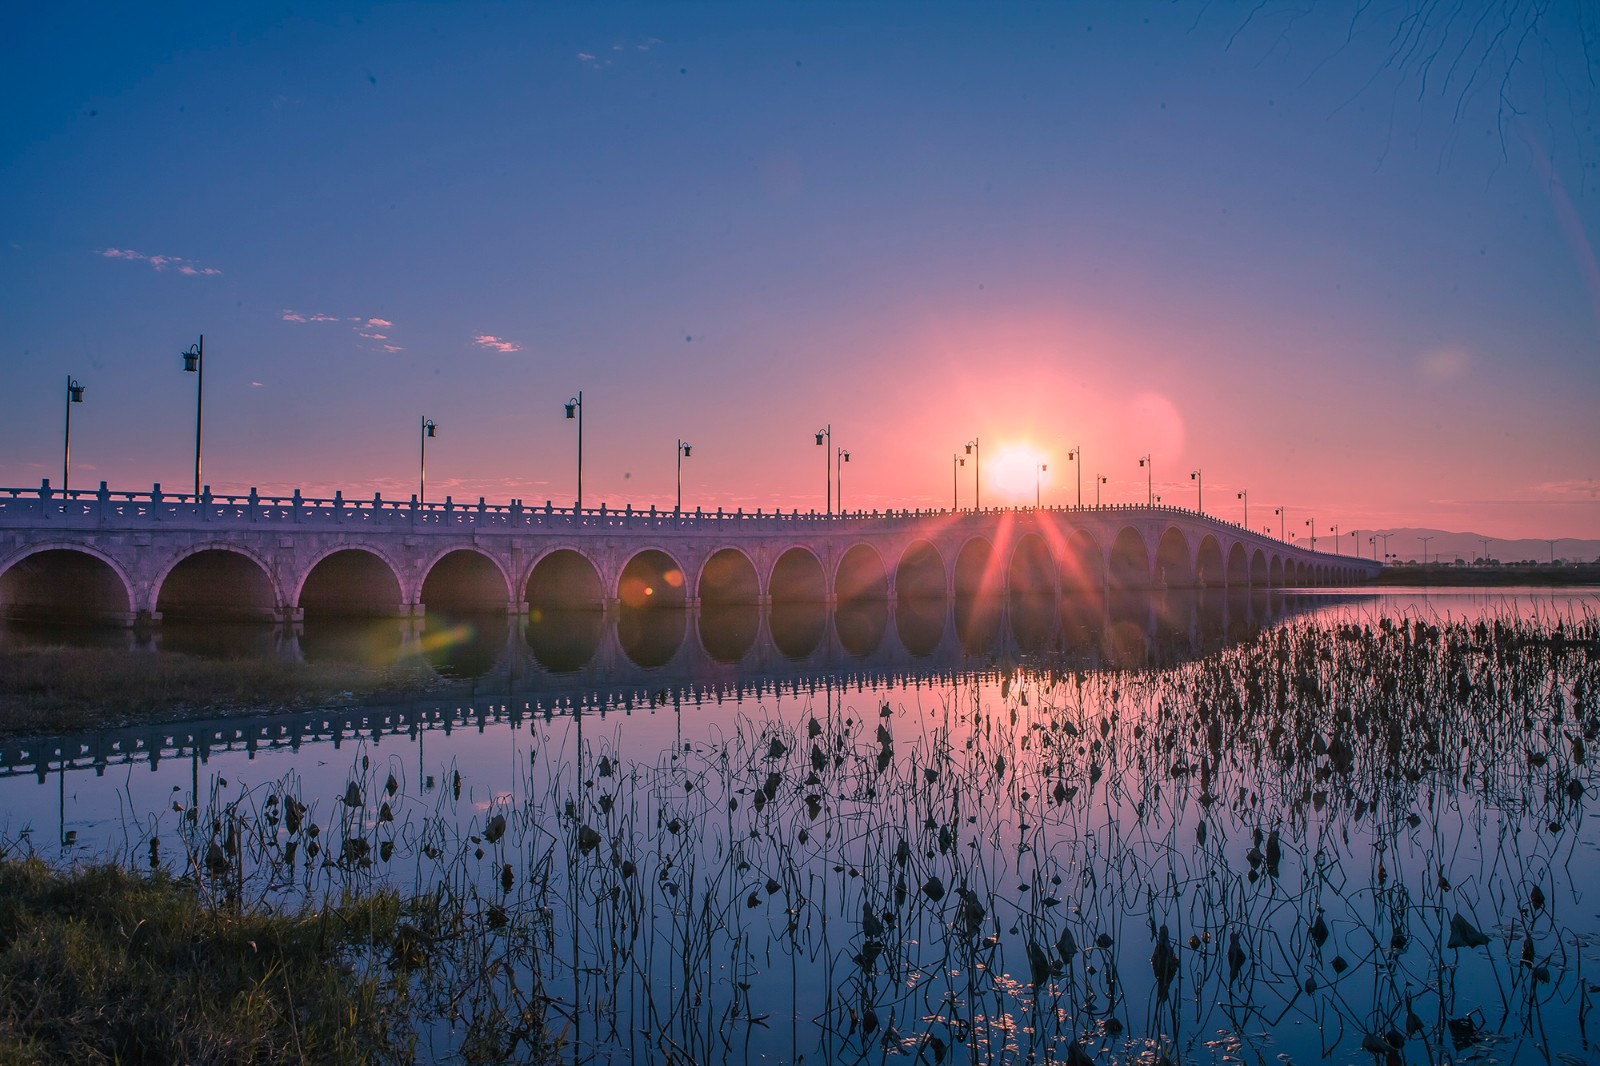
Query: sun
x=1013 y=472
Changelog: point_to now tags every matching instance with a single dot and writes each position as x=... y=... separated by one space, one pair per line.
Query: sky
x=1338 y=259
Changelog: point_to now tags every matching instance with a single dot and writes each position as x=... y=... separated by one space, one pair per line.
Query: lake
x=1292 y=826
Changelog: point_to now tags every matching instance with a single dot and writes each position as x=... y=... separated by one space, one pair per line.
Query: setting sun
x=1013 y=473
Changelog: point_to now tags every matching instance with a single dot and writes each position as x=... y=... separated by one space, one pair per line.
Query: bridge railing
x=45 y=506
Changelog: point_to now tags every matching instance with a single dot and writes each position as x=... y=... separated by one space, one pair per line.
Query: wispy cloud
x=366 y=327
x=498 y=344
x=160 y=262
x=594 y=59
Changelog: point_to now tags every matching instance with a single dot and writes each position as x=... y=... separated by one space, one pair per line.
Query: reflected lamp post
x=977 y=474
x=1099 y=479
x=575 y=410
x=838 y=477
x=1279 y=511
x=1244 y=494
x=74 y=395
x=1199 y=490
x=1149 y=463
x=428 y=429
x=825 y=439
x=194 y=363
x=683 y=453
x=956 y=463
x=1076 y=456
x=1038 y=473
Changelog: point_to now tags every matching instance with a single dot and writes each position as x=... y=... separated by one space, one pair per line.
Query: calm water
x=953 y=833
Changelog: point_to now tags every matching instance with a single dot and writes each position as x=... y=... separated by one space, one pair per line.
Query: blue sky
x=1282 y=250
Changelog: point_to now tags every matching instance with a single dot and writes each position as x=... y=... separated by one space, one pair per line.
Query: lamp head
x=74 y=391
x=1043 y=468
x=969 y=447
x=686 y=450
x=572 y=408
x=846 y=456
x=819 y=438
x=191 y=358
x=1141 y=462
x=428 y=427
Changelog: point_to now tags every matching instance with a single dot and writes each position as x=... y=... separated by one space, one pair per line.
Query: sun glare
x=1013 y=473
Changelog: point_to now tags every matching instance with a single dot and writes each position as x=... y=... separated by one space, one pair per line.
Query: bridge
x=137 y=557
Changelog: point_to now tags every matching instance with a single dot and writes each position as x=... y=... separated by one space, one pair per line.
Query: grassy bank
x=1500 y=576
x=101 y=965
x=59 y=689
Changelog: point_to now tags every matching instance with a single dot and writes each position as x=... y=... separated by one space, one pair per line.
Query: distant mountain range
x=1406 y=545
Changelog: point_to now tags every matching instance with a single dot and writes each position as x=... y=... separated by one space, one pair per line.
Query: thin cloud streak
x=498 y=344
x=160 y=262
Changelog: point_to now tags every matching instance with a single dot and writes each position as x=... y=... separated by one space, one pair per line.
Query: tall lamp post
x=1334 y=529
x=1244 y=494
x=428 y=429
x=956 y=463
x=1149 y=463
x=1312 y=522
x=1038 y=473
x=1076 y=455
x=1199 y=490
x=1099 y=479
x=1279 y=511
x=683 y=453
x=194 y=363
x=838 y=476
x=575 y=410
x=74 y=395
x=826 y=434
x=977 y=474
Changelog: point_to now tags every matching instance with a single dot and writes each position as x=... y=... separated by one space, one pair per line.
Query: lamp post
x=1076 y=455
x=1038 y=472
x=194 y=363
x=1425 y=549
x=1312 y=522
x=683 y=453
x=1279 y=511
x=1199 y=490
x=575 y=410
x=956 y=462
x=1244 y=494
x=977 y=474
x=1149 y=463
x=74 y=395
x=838 y=476
x=1099 y=480
x=1334 y=528
x=1355 y=535
x=1385 y=538
x=428 y=429
x=826 y=433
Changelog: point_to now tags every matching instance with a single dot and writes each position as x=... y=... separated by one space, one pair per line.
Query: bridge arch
x=1174 y=564
x=1208 y=567
x=861 y=576
x=1032 y=570
x=564 y=578
x=464 y=579
x=797 y=577
x=920 y=574
x=351 y=581
x=1129 y=566
x=1258 y=569
x=727 y=578
x=1238 y=567
x=217 y=581
x=1083 y=566
x=60 y=581
x=652 y=578
x=1275 y=572
x=976 y=569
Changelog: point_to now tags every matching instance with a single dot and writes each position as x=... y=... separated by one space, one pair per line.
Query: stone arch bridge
x=136 y=557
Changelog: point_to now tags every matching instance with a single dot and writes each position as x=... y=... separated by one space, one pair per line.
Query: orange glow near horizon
x=1011 y=471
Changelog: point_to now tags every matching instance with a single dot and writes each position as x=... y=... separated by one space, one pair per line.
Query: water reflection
x=465 y=645
x=919 y=622
x=650 y=636
x=564 y=640
x=861 y=626
x=798 y=628
x=977 y=621
x=728 y=631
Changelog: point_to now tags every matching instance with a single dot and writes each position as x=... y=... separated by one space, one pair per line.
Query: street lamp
x=838 y=476
x=1076 y=455
x=74 y=395
x=1098 y=481
x=683 y=453
x=1244 y=494
x=977 y=474
x=1279 y=511
x=1312 y=522
x=826 y=432
x=1335 y=530
x=1149 y=463
x=428 y=429
x=1038 y=472
x=575 y=410
x=956 y=462
x=194 y=363
x=1199 y=491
